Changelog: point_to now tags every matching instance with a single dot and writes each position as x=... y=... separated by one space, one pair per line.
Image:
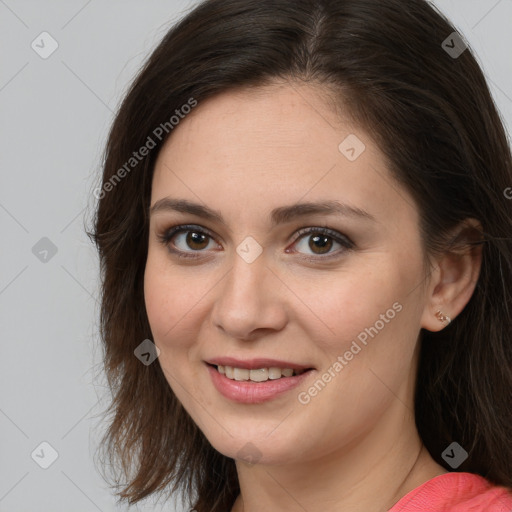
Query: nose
x=250 y=301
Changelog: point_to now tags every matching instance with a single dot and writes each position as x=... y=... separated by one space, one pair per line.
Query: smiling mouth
x=258 y=374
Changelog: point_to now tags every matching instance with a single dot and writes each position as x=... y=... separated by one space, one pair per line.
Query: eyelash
x=166 y=237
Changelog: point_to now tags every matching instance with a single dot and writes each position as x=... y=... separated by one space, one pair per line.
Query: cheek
x=165 y=297
x=369 y=314
x=169 y=303
x=156 y=298
x=176 y=306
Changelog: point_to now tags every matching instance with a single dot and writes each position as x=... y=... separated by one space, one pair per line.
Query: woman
x=304 y=235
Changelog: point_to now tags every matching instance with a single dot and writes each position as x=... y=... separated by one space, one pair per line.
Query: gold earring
x=442 y=317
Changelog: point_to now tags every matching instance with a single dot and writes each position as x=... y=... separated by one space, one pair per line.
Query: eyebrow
x=278 y=215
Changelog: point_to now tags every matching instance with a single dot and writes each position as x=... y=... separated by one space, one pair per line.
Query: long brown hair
x=432 y=114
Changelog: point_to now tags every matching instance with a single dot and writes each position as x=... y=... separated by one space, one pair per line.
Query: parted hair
x=432 y=115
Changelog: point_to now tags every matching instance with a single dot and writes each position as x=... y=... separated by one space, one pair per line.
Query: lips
x=247 y=392
x=254 y=364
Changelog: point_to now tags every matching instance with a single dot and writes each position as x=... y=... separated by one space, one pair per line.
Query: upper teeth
x=257 y=375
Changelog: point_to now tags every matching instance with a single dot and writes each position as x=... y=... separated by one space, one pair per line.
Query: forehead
x=274 y=116
x=257 y=149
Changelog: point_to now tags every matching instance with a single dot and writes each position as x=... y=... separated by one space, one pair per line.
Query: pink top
x=456 y=492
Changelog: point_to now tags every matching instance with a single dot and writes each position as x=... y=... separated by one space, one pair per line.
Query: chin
x=257 y=448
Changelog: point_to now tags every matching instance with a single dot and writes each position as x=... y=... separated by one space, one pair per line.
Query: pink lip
x=254 y=364
x=254 y=392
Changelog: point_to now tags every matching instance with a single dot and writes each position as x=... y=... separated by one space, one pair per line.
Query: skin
x=354 y=446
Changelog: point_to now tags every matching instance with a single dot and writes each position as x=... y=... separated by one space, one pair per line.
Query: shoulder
x=456 y=492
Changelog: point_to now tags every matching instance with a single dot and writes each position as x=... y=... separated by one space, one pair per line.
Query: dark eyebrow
x=279 y=215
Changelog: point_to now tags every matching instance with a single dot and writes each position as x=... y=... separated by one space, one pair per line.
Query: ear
x=454 y=278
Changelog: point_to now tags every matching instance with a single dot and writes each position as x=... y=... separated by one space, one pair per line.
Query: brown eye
x=184 y=241
x=320 y=241
x=320 y=244
x=188 y=241
x=196 y=240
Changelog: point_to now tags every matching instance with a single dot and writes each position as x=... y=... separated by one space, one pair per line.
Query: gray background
x=55 y=115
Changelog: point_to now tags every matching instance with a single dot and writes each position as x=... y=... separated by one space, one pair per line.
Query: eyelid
x=165 y=237
x=340 y=238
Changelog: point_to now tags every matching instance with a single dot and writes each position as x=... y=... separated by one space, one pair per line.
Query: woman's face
x=269 y=288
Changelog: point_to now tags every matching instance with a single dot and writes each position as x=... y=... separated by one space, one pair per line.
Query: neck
x=371 y=474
